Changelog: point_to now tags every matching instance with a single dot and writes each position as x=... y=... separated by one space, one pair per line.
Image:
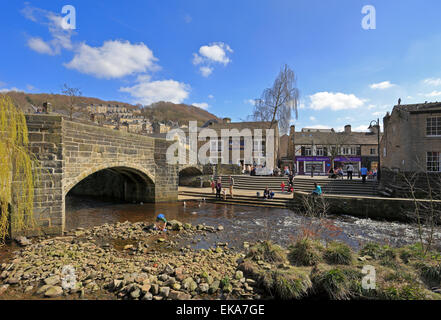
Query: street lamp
x=377 y=124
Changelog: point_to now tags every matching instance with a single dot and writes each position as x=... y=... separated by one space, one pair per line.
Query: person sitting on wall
x=332 y=174
x=340 y=173
x=317 y=191
x=271 y=194
x=266 y=193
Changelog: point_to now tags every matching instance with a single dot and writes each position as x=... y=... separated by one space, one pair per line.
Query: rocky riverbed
x=125 y=261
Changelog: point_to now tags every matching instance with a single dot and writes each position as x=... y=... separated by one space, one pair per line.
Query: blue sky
x=221 y=54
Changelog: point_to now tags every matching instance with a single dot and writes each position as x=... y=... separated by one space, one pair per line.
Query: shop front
x=342 y=162
x=318 y=165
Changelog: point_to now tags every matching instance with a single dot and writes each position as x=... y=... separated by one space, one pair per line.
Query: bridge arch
x=118 y=181
x=188 y=173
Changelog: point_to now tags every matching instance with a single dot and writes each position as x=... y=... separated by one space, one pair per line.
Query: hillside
x=183 y=113
x=160 y=111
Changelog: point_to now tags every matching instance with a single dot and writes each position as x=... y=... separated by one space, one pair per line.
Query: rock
x=147 y=296
x=23 y=241
x=43 y=289
x=214 y=286
x=227 y=288
x=128 y=246
x=53 y=291
x=164 y=291
x=177 y=295
x=251 y=282
x=135 y=294
x=246 y=245
x=168 y=270
x=175 y=225
x=187 y=226
x=154 y=289
x=13 y=281
x=161 y=240
x=158 y=298
x=220 y=228
x=176 y=286
x=203 y=287
x=189 y=284
x=146 y=287
x=52 y=281
x=28 y=289
x=3 y=288
x=238 y=275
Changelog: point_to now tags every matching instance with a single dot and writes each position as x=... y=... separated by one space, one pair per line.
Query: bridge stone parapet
x=73 y=156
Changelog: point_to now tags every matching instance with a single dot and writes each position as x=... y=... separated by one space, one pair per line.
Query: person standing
x=350 y=170
x=231 y=186
x=218 y=189
x=213 y=186
x=363 y=172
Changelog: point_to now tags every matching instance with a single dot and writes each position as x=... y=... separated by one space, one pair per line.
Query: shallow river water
x=241 y=223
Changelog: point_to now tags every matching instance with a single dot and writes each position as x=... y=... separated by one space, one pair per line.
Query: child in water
x=161 y=223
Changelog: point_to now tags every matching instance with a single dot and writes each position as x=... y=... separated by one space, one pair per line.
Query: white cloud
x=206 y=71
x=114 y=59
x=378 y=113
x=249 y=101
x=432 y=82
x=202 y=105
x=434 y=94
x=334 y=101
x=30 y=87
x=10 y=89
x=362 y=128
x=61 y=37
x=312 y=118
x=215 y=53
x=210 y=96
x=153 y=91
x=382 y=85
x=38 y=44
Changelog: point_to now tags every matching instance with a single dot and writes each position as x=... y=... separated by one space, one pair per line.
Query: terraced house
x=412 y=138
x=317 y=150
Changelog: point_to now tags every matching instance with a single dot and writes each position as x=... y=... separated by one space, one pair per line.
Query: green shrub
x=290 y=286
x=406 y=292
x=267 y=251
x=224 y=282
x=305 y=253
x=334 y=283
x=338 y=253
x=431 y=273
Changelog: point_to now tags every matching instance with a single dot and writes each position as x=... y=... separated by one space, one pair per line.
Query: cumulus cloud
x=312 y=118
x=382 y=85
x=114 y=59
x=206 y=71
x=202 y=105
x=334 y=101
x=432 y=94
x=210 y=96
x=214 y=53
x=432 y=82
x=10 y=89
x=60 y=36
x=148 y=92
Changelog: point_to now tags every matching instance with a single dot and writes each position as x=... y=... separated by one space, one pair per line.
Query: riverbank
x=132 y=261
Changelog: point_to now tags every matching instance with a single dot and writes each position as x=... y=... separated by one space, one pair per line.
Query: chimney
x=348 y=128
x=226 y=120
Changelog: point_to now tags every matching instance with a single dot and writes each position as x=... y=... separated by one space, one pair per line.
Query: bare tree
x=278 y=102
x=73 y=94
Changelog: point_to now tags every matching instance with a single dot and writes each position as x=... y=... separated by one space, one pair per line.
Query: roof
x=340 y=138
x=419 y=107
x=242 y=125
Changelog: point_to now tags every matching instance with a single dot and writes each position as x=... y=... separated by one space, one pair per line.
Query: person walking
x=350 y=170
x=363 y=172
x=231 y=186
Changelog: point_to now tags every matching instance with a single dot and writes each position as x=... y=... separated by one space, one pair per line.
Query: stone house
x=318 y=150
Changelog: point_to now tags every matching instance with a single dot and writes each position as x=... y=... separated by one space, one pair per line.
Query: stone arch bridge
x=82 y=159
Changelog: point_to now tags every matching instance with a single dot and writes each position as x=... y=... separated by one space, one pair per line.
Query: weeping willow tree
x=17 y=170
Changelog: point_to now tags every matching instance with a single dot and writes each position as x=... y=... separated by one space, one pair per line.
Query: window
x=433 y=161
x=319 y=151
x=308 y=152
x=257 y=145
x=373 y=151
x=433 y=126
